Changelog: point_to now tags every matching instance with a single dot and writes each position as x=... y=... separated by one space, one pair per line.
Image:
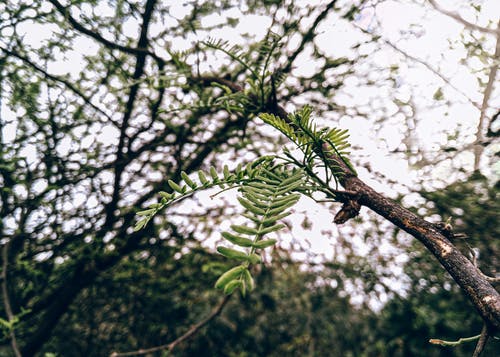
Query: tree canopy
x=128 y=127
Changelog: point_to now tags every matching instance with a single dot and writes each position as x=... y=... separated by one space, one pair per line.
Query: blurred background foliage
x=92 y=126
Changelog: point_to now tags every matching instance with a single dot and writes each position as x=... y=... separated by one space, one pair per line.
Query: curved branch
x=479 y=148
x=308 y=36
x=140 y=50
x=433 y=70
x=6 y=300
x=54 y=78
x=478 y=289
x=481 y=343
x=460 y=19
x=189 y=333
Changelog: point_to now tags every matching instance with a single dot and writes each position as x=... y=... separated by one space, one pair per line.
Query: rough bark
x=474 y=284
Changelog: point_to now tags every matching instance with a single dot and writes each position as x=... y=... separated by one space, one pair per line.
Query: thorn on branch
x=446 y=229
x=474 y=256
x=350 y=209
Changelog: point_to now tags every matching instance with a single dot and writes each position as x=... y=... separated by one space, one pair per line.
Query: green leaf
x=166 y=195
x=248 y=280
x=229 y=275
x=214 y=175
x=261 y=185
x=264 y=243
x=188 y=180
x=280 y=208
x=253 y=258
x=244 y=229
x=203 y=178
x=268 y=180
x=252 y=217
x=271 y=220
x=231 y=286
x=262 y=191
x=146 y=212
x=226 y=172
x=241 y=241
x=255 y=193
x=232 y=253
x=290 y=187
x=176 y=187
x=270 y=229
x=248 y=205
x=285 y=200
x=139 y=225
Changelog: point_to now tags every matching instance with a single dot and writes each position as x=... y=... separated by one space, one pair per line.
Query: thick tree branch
x=478 y=289
x=484 y=297
x=129 y=108
x=189 y=333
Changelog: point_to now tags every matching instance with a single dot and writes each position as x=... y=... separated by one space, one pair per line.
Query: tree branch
x=129 y=107
x=5 y=297
x=479 y=147
x=141 y=49
x=54 y=78
x=308 y=36
x=189 y=333
x=478 y=289
x=433 y=70
x=460 y=19
x=481 y=343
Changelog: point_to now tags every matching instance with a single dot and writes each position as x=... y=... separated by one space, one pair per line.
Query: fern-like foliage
x=268 y=188
x=267 y=192
x=233 y=51
x=266 y=201
x=188 y=186
x=256 y=63
x=317 y=145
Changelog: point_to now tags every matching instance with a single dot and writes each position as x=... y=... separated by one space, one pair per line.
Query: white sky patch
x=108 y=134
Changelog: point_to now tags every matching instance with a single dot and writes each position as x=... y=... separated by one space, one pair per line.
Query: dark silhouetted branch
x=190 y=333
x=6 y=299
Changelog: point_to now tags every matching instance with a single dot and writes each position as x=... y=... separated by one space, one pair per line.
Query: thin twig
x=191 y=332
x=57 y=79
x=433 y=70
x=460 y=19
x=423 y=63
x=482 y=342
x=487 y=277
x=461 y=340
x=308 y=36
x=6 y=300
x=479 y=148
x=65 y=11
